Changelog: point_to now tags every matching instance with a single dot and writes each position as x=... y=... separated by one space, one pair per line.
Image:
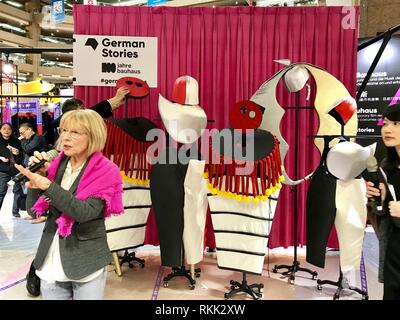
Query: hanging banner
x=57 y=11
x=383 y=88
x=102 y=60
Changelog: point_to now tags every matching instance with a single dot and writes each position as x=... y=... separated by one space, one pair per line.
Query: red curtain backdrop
x=230 y=51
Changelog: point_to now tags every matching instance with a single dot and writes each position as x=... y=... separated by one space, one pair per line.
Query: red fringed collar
x=262 y=181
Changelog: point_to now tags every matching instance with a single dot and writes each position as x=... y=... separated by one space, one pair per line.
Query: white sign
x=102 y=60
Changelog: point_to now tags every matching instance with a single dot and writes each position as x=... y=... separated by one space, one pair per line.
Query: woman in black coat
x=389 y=219
x=10 y=153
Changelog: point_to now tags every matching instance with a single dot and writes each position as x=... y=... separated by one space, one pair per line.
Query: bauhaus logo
x=108 y=67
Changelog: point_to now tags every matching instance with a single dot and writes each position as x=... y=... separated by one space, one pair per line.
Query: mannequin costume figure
x=333 y=104
x=179 y=198
x=336 y=111
x=242 y=205
x=127 y=146
x=337 y=190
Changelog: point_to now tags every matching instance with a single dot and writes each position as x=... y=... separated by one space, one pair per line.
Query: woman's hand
x=394 y=208
x=13 y=150
x=37 y=157
x=4 y=159
x=36 y=181
x=372 y=191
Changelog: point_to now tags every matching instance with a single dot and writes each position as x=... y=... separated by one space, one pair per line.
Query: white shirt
x=52 y=269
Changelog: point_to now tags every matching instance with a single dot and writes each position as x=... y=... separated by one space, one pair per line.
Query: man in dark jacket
x=30 y=141
x=104 y=108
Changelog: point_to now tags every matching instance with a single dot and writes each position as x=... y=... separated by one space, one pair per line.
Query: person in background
x=10 y=153
x=388 y=222
x=104 y=108
x=30 y=141
x=81 y=189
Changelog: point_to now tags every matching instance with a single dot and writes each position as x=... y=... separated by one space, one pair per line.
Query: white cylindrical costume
x=127 y=231
x=241 y=232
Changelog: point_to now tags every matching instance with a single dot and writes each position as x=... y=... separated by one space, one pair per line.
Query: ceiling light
x=8 y=68
x=9 y=27
x=50 y=40
x=14 y=4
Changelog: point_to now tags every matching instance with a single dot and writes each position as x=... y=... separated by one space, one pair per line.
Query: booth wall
x=230 y=51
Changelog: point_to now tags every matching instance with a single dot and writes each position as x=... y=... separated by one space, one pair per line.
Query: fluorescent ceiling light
x=14 y=4
x=64 y=65
x=50 y=40
x=9 y=27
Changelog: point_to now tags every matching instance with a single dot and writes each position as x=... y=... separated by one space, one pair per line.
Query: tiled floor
x=19 y=239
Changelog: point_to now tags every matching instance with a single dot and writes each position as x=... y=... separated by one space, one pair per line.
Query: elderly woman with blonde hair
x=81 y=189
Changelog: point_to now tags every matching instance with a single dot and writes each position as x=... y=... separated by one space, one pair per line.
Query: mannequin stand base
x=182 y=272
x=339 y=284
x=129 y=257
x=237 y=287
x=291 y=272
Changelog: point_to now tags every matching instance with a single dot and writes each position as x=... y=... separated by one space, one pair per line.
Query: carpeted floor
x=19 y=240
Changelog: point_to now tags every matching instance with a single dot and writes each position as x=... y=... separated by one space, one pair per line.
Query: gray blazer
x=86 y=249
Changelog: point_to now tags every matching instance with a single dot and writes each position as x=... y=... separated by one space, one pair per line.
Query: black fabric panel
x=320 y=215
x=135 y=127
x=263 y=145
x=167 y=197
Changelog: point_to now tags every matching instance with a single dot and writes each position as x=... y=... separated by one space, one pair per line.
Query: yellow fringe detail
x=239 y=197
x=145 y=182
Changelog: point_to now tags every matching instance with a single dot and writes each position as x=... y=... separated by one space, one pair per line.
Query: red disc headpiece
x=137 y=87
x=245 y=115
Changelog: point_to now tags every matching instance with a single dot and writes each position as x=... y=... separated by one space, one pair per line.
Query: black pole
x=374 y=63
x=296 y=174
x=16 y=84
x=295 y=267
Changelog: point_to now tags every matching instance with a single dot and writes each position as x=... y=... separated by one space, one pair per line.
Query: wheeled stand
x=291 y=270
x=182 y=272
x=129 y=257
x=244 y=287
x=341 y=285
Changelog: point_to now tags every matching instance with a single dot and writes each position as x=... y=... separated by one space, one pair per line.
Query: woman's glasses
x=72 y=133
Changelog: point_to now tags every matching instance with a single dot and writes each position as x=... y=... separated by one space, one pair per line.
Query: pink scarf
x=101 y=179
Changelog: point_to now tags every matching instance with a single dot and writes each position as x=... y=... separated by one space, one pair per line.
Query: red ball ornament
x=245 y=115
